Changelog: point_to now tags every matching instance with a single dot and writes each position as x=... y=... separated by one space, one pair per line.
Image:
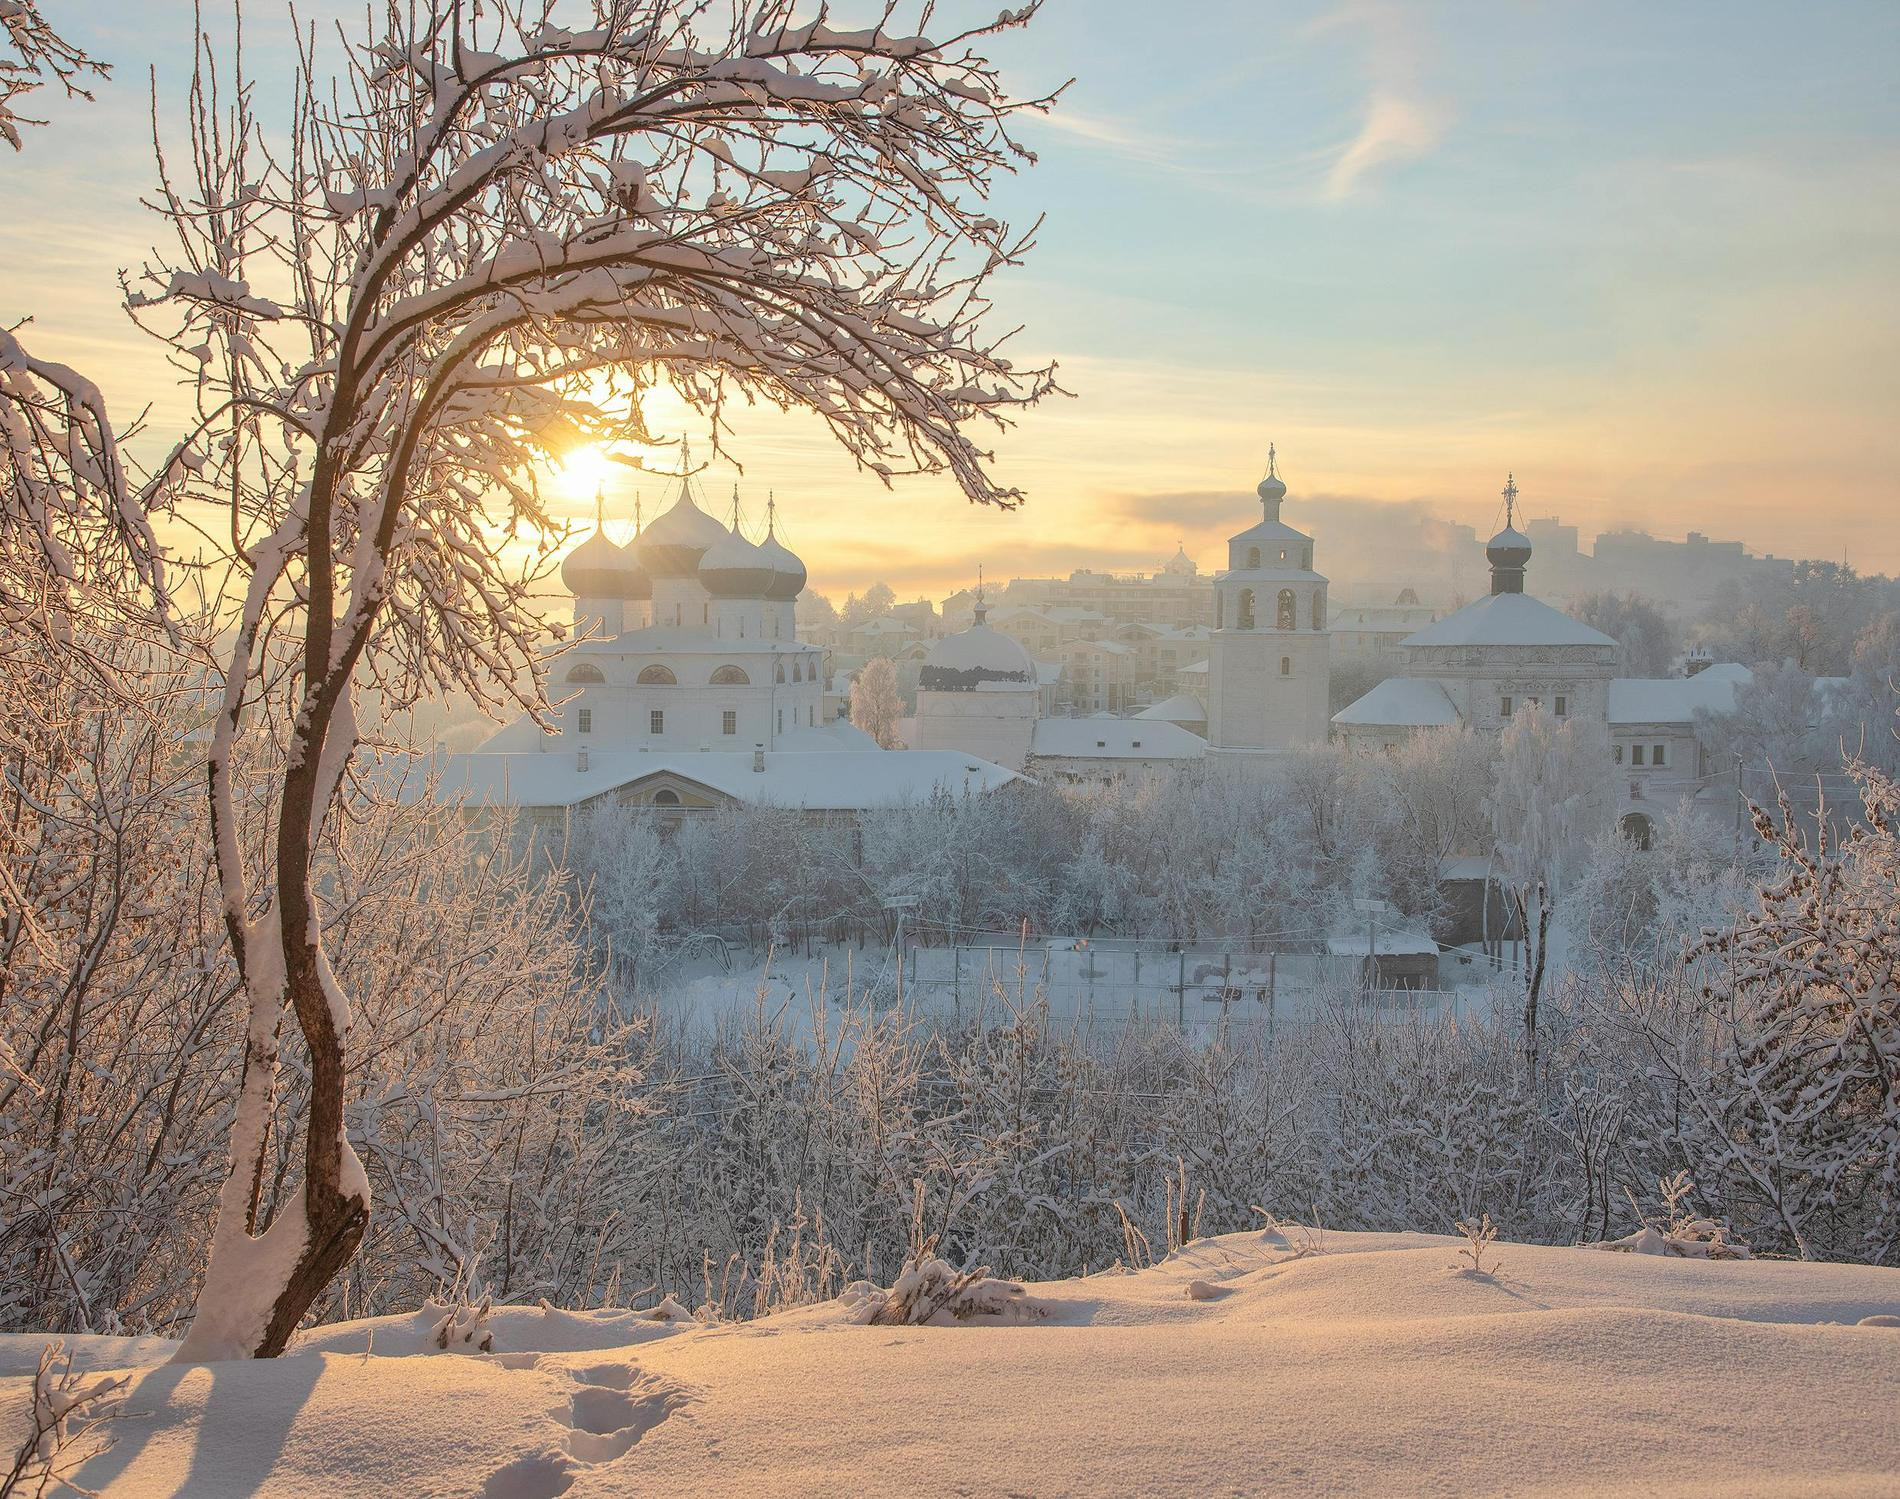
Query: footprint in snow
x=540 y=1475
x=614 y=1406
x=611 y=1408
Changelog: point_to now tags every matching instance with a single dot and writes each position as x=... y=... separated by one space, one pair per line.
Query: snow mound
x=1289 y=1361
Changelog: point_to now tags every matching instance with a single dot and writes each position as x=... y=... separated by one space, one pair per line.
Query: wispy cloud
x=1403 y=119
x=1396 y=129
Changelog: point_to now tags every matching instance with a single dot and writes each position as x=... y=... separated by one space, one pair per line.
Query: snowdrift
x=1250 y=1364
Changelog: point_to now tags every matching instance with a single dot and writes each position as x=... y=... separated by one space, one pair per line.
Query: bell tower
x=1269 y=667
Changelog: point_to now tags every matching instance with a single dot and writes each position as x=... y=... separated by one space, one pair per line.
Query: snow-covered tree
x=1646 y=641
x=875 y=601
x=875 y=704
x=32 y=54
x=1800 y=1094
x=395 y=309
x=1550 y=798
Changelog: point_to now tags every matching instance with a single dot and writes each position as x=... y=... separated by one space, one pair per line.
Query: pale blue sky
x=1643 y=254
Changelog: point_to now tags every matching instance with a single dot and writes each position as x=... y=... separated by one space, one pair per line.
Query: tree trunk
x=1534 y=980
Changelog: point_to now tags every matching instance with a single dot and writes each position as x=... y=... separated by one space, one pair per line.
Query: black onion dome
x=593 y=570
x=733 y=568
x=788 y=573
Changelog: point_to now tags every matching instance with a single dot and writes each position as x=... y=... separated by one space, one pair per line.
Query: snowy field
x=1105 y=983
x=1249 y=1364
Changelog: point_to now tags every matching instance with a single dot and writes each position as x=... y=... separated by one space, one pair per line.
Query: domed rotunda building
x=977 y=692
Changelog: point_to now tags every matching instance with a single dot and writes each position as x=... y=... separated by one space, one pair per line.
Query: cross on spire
x=600 y=505
x=1272 y=459
x=1510 y=501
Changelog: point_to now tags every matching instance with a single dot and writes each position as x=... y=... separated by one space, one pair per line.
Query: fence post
x=1273 y=988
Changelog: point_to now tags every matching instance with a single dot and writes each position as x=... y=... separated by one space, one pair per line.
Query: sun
x=583 y=471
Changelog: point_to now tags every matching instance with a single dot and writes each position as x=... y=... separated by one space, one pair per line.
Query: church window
x=586 y=723
x=656 y=721
x=781 y=720
x=1655 y=754
x=729 y=721
x=1253 y=556
x=1287 y=618
x=1243 y=610
x=1283 y=554
x=780 y=672
x=1616 y=753
x=1319 y=612
x=1636 y=754
x=657 y=676
x=1563 y=706
x=666 y=796
x=1306 y=559
x=1505 y=707
x=731 y=676
x=585 y=673
x=1286 y=666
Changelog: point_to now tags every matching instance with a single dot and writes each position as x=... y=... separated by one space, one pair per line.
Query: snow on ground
x=1243 y=1365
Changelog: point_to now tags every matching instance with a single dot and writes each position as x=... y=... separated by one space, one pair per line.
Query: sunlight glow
x=583 y=471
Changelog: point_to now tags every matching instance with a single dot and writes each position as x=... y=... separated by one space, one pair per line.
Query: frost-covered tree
x=1774 y=1061
x=472 y=253
x=1433 y=789
x=1549 y=800
x=1645 y=639
x=33 y=53
x=875 y=703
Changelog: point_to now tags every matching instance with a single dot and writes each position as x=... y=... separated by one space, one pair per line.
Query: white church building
x=1480 y=665
x=689 y=688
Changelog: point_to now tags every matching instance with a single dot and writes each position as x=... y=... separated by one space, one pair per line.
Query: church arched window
x=1253 y=557
x=1243 y=610
x=1286 y=666
x=778 y=674
x=657 y=676
x=585 y=673
x=1319 y=612
x=666 y=796
x=1287 y=621
x=731 y=676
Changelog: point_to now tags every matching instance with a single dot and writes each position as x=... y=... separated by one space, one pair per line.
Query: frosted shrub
x=63 y=1420
x=1480 y=1234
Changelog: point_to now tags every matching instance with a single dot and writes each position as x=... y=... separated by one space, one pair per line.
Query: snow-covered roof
x=1508 y=619
x=1386 y=943
x=835 y=780
x=1675 y=699
x=1183 y=707
x=1114 y=739
x=1199 y=669
x=837 y=734
x=1402 y=702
